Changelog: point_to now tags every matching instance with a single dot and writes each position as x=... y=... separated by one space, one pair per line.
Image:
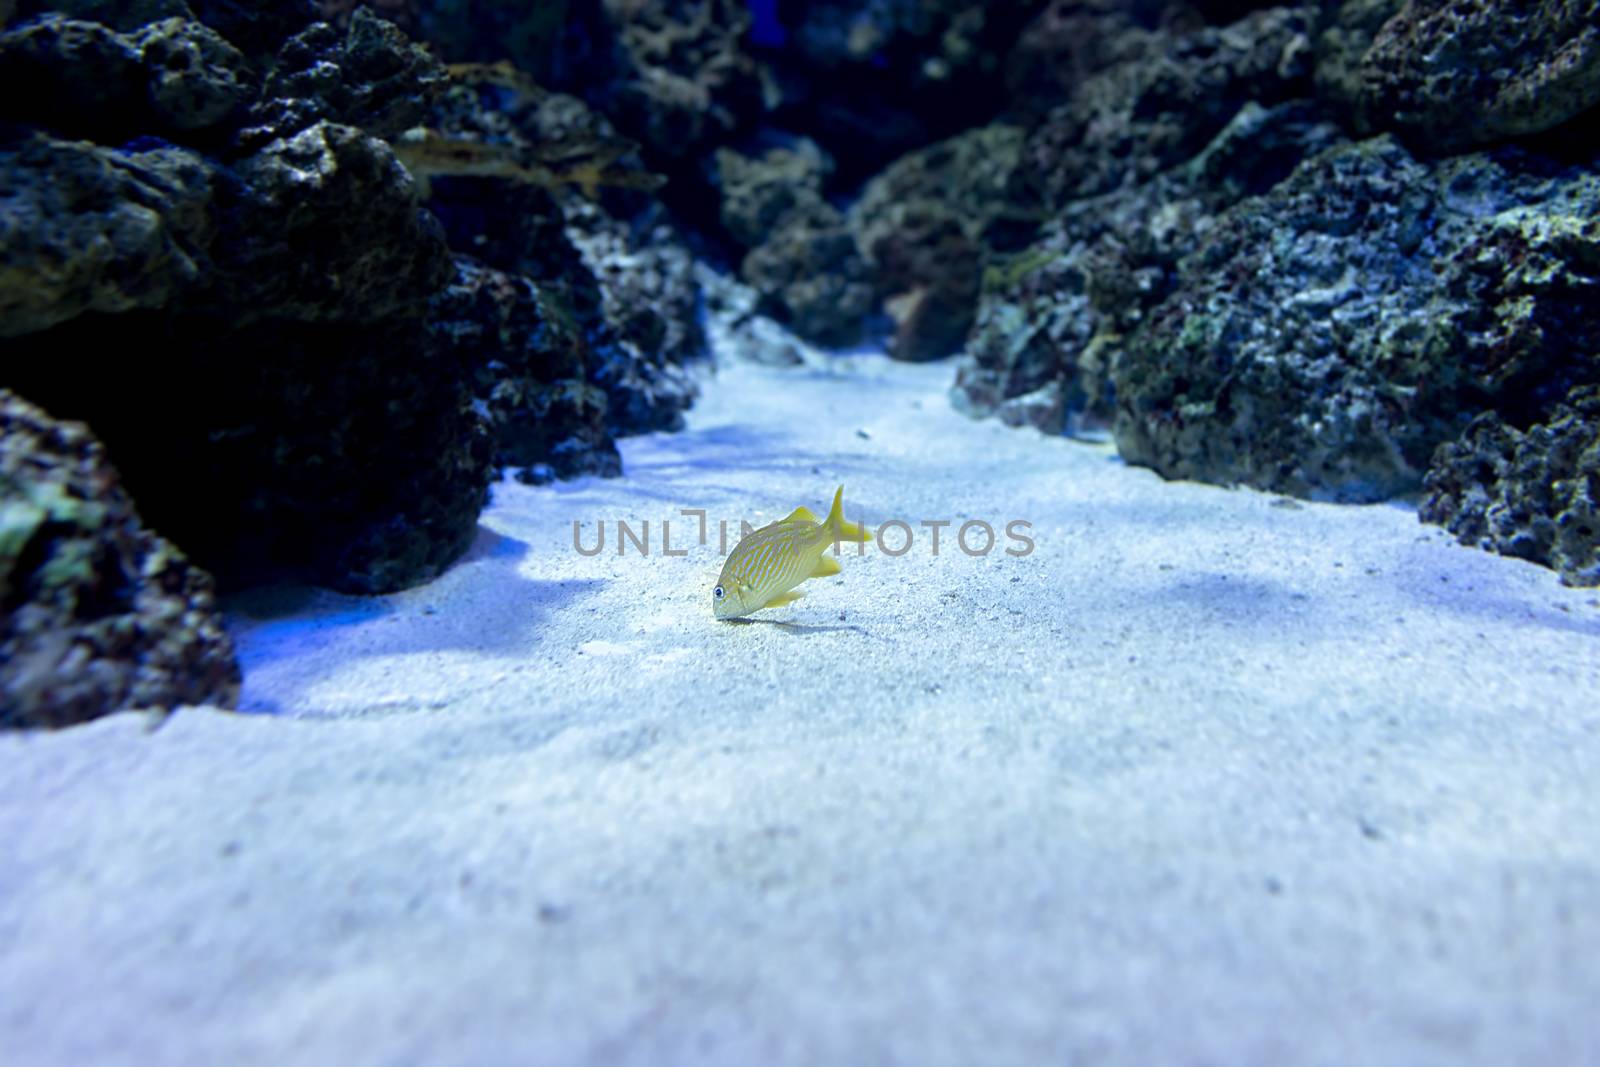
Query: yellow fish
x=766 y=565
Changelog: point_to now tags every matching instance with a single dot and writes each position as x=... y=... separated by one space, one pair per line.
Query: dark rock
x=195 y=79
x=97 y=612
x=123 y=15
x=803 y=259
x=1070 y=41
x=1325 y=338
x=761 y=192
x=812 y=278
x=649 y=306
x=1142 y=116
x=314 y=434
x=255 y=27
x=1053 y=315
x=84 y=228
x=613 y=267
x=529 y=372
x=78 y=77
x=173 y=77
x=368 y=75
x=345 y=455
x=683 y=80
x=560 y=44
x=925 y=225
x=1451 y=74
x=871 y=80
x=322 y=226
x=1532 y=493
x=325 y=226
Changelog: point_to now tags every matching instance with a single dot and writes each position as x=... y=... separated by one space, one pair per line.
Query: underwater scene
x=867 y=532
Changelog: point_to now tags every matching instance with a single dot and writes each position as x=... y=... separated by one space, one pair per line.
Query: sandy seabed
x=1208 y=777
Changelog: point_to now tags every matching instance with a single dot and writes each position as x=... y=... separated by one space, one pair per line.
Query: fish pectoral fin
x=800 y=514
x=784 y=598
x=826 y=565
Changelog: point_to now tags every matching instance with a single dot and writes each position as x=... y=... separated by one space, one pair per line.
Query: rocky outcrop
x=605 y=257
x=1162 y=105
x=97 y=612
x=802 y=257
x=1325 y=338
x=1452 y=74
x=1533 y=493
x=242 y=318
x=925 y=225
x=1053 y=314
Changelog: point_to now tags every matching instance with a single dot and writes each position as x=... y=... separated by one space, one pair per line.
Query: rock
x=285 y=294
x=925 y=226
x=1070 y=41
x=256 y=29
x=84 y=228
x=1451 y=74
x=803 y=259
x=175 y=77
x=1151 y=112
x=871 y=80
x=77 y=77
x=683 y=80
x=97 y=612
x=1056 y=312
x=812 y=278
x=1325 y=338
x=759 y=193
x=1532 y=493
x=529 y=373
x=613 y=265
x=368 y=76
x=649 y=303
x=326 y=227
x=345 y=455
x=194 y=78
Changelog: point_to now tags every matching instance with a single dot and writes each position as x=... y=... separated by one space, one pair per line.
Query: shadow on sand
x=798 y=629
x=291 y=638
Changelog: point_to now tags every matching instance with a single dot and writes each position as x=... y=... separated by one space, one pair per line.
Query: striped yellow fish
x=766 y=565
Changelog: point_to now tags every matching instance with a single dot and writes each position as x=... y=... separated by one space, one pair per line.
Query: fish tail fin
x=838 y=528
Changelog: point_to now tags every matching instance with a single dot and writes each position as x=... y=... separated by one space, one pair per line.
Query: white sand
x=1206 y=779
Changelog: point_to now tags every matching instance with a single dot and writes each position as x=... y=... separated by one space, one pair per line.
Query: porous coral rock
x=1451 y=74
x=924 y=225
x=97 y=612
x=85 y=228
x=1053 y=315
x=1325 y=338
x=1532 y=493
x=1155 y=110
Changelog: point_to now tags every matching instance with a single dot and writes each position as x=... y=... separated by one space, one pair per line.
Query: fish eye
x=717 y=592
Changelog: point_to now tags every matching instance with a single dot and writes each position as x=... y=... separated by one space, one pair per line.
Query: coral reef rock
x=1451 y=74
x=245 y=314
x=1050 y=315
x=1325 y=338
x=1155 y=110
x=802 y=256
x=529 y=372
x=1532 y=493
x=97 y=612
x=925 y=225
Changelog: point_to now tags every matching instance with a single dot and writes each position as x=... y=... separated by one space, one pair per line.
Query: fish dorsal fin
x=800 y=514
